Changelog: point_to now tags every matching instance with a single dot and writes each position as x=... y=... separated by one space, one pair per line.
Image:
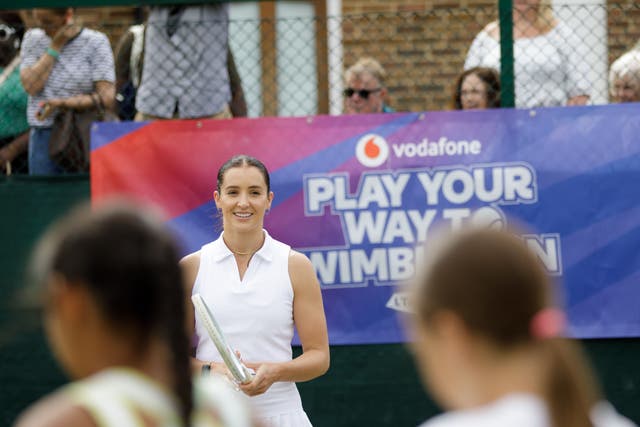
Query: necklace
x=251 y=252
x=243 y=253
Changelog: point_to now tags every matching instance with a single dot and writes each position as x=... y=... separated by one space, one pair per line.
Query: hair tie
x=547 y=323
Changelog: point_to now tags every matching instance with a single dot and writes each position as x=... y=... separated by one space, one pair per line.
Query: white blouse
x=522 y=410
x=547 y=69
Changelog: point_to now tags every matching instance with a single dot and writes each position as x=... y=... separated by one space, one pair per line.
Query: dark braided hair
x=128 y=261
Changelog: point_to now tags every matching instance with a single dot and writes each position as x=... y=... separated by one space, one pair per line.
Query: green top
x=13 y=106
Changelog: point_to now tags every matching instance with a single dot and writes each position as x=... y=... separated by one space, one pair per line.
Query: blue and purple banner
x=360 y=196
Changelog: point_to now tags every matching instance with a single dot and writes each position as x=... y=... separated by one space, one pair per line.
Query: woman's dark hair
x=128 y=261
x=491 y=79
x=496 y=285
x=14 y=20
x=240 y=161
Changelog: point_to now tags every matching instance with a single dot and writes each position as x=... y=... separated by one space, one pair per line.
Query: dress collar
x=221 y=251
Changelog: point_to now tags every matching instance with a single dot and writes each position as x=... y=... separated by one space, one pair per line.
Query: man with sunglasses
x=364 y=91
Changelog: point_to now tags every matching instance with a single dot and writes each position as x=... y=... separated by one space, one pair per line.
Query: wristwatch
x=206 y=369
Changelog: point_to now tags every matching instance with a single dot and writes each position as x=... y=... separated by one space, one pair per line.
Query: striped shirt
x=86 y=59
x=185 y=62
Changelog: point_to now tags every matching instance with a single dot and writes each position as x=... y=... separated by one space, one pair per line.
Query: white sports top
x=255 y=313
x=124 y=397
x=522 y=410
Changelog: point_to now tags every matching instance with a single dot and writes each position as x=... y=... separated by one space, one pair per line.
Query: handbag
x=70 y=136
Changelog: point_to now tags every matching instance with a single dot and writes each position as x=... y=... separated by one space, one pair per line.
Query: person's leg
x=39 y=161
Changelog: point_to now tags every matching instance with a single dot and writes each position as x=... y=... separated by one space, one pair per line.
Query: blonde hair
x=545 y=21
x=627 y=65
x=366 y=65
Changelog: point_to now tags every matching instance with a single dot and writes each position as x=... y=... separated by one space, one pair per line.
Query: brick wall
x=623 y=22
x=422 y=44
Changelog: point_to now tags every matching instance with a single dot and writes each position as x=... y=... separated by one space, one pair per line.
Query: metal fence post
x=507 y=95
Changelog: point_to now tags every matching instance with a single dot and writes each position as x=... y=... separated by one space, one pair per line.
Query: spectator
x=184 y=73
x=63 y=66
x=365 y=90
x=114 y=316
x=129 y=59
x=624 y=78
x=548 y=72
x=14 y=129
x=128 y=55
x=488 y=340
x=477 y=88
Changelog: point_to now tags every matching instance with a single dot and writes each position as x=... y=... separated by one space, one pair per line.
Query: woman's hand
x=6 y=157
x=13 y=149
x=266 y=375
x=47 y=108
x=63 y=35
x=219 y=368
x=578 y=100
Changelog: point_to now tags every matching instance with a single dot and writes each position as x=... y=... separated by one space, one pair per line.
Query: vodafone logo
x=372 y=150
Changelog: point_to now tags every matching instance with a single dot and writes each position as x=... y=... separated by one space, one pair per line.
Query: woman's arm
x=35 y=77
x=577 y=84
x=13 y=149
x=105 y=93
x=190 y=265
x=578 y=100
x=309 y=318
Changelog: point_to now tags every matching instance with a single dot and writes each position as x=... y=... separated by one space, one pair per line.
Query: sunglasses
x=362 y=93
x=6 y=32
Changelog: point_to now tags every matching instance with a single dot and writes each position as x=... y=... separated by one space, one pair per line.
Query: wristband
x=206 y=370
x=53 y=53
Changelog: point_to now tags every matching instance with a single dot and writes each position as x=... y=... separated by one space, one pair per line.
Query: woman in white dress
x=548 y=70
x=259 y=290
x=114 y=318
x=487 y=340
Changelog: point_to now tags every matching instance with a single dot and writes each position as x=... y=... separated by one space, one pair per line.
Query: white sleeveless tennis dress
x=256 y=317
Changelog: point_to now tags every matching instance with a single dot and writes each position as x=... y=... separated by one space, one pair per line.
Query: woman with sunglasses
x=365 y=92
x=14 y=129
